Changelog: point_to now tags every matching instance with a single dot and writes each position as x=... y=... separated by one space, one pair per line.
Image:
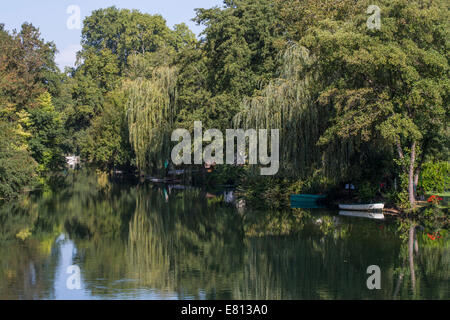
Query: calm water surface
x=149 y=242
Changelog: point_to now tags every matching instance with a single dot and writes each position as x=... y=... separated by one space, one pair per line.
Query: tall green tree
x=27 y=69
x=151 y=114
x=46 y=134
x=17 y=166
x=119 y=46
x=236 y=56
x=29 y=124
x=126 y=32
x=106 y=142
x=391 y=83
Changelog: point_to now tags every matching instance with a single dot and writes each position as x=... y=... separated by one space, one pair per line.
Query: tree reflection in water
x=142 y=241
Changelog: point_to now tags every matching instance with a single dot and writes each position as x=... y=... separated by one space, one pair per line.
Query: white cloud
x=68 y=56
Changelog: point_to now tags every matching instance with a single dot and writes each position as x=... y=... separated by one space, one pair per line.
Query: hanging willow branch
x=151 y=112
x=289 y=104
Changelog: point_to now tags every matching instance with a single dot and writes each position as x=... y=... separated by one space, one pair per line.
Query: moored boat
x=306 y=197
x=306 y=201
x=362 y=207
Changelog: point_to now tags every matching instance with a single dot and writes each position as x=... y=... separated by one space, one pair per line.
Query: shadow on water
x=148 y=242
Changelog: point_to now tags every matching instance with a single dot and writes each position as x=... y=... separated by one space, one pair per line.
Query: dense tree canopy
x=390 y=84
x=30 y=128
x=347 y=87
x=26 y=67
x=236 y=56
x=124 y=33
x=352 y=103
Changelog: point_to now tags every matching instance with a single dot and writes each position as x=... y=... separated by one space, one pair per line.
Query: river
x=95 y=239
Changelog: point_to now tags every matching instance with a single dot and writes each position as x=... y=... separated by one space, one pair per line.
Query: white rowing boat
x=362 y=214
x=362 y=207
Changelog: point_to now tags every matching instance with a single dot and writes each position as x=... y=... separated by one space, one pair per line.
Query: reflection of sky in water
x=67 y=252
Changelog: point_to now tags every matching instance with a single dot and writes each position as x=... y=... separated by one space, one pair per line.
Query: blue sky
x=51 y=16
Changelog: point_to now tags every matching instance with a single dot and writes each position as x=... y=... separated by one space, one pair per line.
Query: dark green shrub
x=435 y=176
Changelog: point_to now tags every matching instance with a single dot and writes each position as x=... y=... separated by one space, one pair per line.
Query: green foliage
x=27 y=69
x=151 y=113
x=106 y=142
x=396 y=198
x=126 y=32
x=387 y=86
x=240 y=45
x=237 y=55
x=351 y=104
x=123 y=32
x=101 y=67
x=122 y=50
x=225 y=175
x=435 y=176
x=46 y=128
x=401 y=195
x=274 y=193
x=254 y=189
x=434 y=218
x=17 y=167
x=29 y=125
x=367 y=191
x=317 y=183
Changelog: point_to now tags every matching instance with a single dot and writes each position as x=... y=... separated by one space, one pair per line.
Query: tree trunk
x=416 y=244
x=412 y=231
x=416 y=178
x=411 y=191
x=399 y=149
x=399 y=283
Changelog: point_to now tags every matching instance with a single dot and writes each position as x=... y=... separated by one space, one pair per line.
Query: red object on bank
x=435 y=198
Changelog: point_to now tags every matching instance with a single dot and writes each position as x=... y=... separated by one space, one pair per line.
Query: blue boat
x=307 y=197
x=305 y=201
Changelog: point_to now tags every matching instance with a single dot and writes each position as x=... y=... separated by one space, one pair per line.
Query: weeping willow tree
x=170 y=249
x=289 y=103
x=149 y=247
x=151 y=112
